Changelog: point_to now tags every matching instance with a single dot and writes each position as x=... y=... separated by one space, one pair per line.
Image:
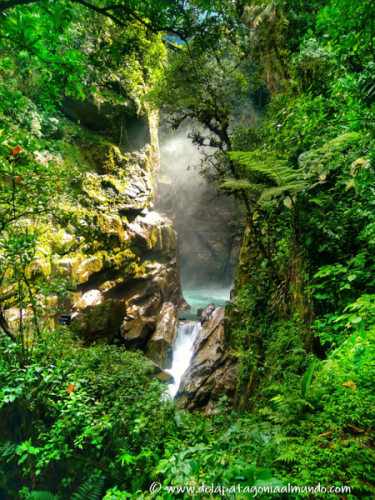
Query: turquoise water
x=202 y=297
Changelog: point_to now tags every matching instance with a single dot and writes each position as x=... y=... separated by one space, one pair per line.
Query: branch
x=104 y=11
x=8 y=4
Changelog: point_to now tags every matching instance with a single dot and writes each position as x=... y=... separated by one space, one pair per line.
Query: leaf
x=353 y=428
x=350 y=385
x=126 y=458
x=16 y=150
x=358 y=357
x=42 y=495
x=89 y=490
x=307 y=378
x=287 y=202
x=70 y=388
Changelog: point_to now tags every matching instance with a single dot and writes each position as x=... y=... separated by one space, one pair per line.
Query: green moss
x=88 y=267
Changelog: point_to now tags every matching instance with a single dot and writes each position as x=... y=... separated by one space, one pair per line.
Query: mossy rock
x=101 y=321
x=61 y=241
x=67 y=267
x=112 y=229
x=88 y=267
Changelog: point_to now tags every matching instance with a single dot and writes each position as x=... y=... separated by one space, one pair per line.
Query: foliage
x=78 y=407
x=30 y=191
x=280 y=94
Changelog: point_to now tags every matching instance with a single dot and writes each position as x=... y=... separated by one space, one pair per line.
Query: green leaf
x=307 y=378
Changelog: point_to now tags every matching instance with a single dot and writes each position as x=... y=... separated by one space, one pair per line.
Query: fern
x=293 y=189
x=89 y=490
x=288 y=455
x=42 y=495
x=276 y=170
x=239 y=184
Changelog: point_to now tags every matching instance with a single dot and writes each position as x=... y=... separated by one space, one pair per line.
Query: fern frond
x=239 y=184
x=89 y=490
x=291 y=188
x=282 y=439
x=266 y=411
x=278 y=171
x=42 y=495
x=288 y=456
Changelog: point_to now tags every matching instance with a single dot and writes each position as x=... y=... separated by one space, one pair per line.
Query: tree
x=29 y=193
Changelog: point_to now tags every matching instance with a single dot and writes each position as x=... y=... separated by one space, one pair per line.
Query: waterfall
x=182 y=352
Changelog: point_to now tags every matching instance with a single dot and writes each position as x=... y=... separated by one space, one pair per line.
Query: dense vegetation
x=283 y=92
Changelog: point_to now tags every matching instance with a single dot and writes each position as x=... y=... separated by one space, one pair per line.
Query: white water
x=187 y=331
x=182 y=352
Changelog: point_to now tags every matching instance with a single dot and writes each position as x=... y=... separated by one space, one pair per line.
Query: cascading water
x=188 y=330
x=207 y=249
x=182 y=352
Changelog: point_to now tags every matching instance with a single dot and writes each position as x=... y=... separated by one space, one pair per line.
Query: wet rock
x=160 y=346
x=136 y=333
x=90 y=298
x=160 y=374
x=204 y=314
x=119 y=252
x=212 y=373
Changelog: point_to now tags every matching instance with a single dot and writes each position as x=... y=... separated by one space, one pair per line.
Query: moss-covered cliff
x=105 y=238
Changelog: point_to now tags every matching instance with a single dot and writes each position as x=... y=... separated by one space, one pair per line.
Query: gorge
x=187 y=228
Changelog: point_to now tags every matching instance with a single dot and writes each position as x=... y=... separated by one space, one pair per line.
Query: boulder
x=160 y=346
x=100 y=322
x=90 y=298
x=204 y=314
x=136 y=333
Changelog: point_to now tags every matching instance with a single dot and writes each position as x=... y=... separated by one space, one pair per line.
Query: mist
x=204 y=222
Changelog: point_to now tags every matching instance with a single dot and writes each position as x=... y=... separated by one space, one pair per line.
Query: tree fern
x=293 y=189
x=277 y=171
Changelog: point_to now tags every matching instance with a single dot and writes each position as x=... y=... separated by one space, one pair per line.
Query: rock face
x=129 y=290
x=121 y=122
x=160 y=345
x=120 y=254
x=212 y=372
x=160 y=374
